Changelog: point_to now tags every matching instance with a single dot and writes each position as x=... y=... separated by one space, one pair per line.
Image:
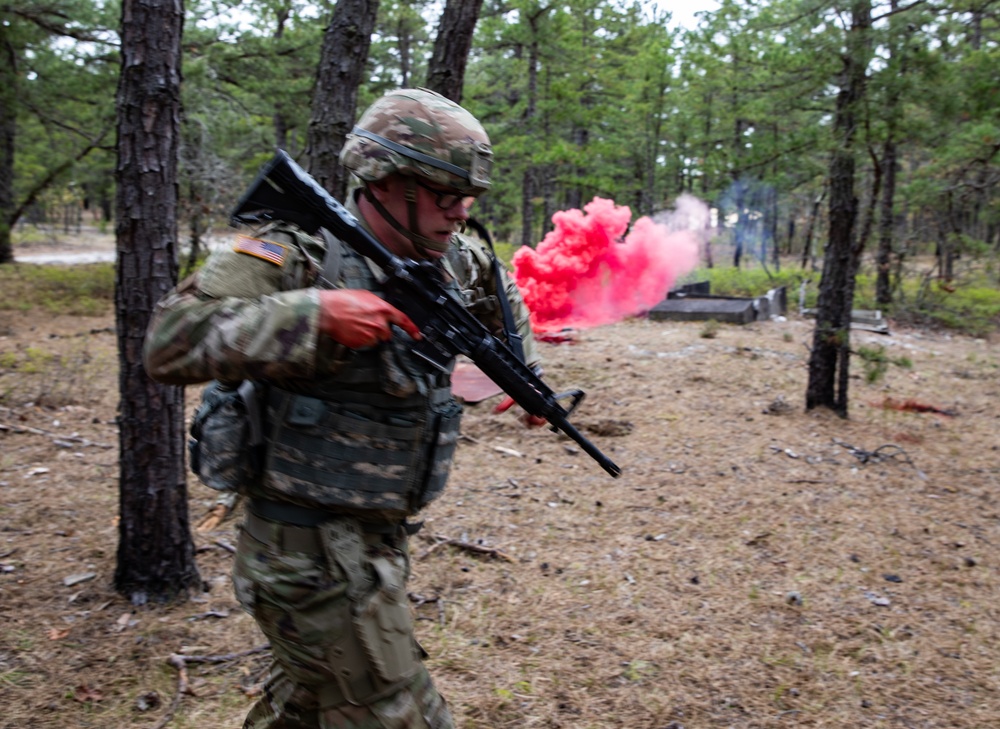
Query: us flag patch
x=266 y=249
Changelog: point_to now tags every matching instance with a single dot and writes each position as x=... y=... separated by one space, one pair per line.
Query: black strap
x=412 y=153
x=331 y=261
x=255 y=414
x=514 y=338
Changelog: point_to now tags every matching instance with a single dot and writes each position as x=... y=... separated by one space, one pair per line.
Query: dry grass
x=747 y=569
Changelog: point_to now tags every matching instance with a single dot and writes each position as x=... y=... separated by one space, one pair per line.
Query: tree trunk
x=648 y=167
x=946 y=242
x=581 y=138
x=548 y=194
x=196 y=227
x=883 y=258
x=830 y=358
x=529 y=178
x=278 y=118
x=341 y=68
x=446 y=71
x=403 y=44
x=740 y=229
x=771 y=226
x=868 y=215
x=528 y=208
x=708 y=149
x=155 y=550
x=8 y=129
x=808 y=259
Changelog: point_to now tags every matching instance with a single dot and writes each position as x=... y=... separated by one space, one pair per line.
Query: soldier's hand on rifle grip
x=358 y=318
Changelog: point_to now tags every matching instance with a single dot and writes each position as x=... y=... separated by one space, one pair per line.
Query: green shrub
x=730 y=281
x=710 y=330
x=970 y=306
x=876 y=362
x=86 y=290
x=505 y=252
x=46 y=378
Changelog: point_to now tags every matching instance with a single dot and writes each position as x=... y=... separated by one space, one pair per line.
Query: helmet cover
x=417 y=132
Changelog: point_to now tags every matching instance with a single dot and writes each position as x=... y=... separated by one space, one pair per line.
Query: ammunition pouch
x=227 y=436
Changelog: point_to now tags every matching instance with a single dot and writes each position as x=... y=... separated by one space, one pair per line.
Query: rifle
x=285 y=191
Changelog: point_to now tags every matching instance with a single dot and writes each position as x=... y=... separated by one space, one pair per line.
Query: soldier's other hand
x=528 y=420
x=357 y=318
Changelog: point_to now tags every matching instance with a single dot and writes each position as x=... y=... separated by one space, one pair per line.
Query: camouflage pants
x=332 y=602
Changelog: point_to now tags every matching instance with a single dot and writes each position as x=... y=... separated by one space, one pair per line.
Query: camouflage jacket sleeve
x=471 y=262
x=244 y=315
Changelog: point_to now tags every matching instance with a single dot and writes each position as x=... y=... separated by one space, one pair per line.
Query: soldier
x=359 y=432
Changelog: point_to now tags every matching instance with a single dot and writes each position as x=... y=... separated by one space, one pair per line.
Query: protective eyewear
x=446 y=199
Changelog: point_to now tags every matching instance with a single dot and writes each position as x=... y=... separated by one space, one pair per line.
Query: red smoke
x=584 y=273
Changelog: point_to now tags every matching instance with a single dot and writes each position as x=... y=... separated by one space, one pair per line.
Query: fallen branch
x=226 y=546
x=212 y=519
x=65 y=441
x=468 y=546
x=419 y=600
x=881 y=454
x=181 y=662
x=224 y=507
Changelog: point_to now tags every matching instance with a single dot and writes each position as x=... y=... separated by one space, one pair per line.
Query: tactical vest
x=377 y=436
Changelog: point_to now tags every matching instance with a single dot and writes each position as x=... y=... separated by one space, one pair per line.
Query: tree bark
x=580 y=138
x=830 y=358
x=528 y=208
x=883 y=256
x=155 y=550
x=279 y=118
x=742 y=223
x=808 y=259
x=868 y=214
x=8 y=129
x=341 y=69
x=706 y=153
x=529 y=177
x=446 y=71
x=886 y=224
x=770 y=225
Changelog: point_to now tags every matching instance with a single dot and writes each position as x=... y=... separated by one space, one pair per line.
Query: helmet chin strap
x=421 y=242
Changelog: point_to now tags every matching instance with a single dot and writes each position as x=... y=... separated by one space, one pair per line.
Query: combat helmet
x=419 y=133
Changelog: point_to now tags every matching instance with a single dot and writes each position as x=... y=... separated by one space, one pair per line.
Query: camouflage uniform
x=322 y=560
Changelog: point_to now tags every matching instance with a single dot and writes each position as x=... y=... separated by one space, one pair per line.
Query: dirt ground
x=755 y=565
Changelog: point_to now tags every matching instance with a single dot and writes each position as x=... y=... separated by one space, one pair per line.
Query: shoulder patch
x=266 y=249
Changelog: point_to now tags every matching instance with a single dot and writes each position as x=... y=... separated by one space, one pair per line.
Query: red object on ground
x=469 y=384
x=914 y=406
x=559 y=336
x=531 y=421
x=504 y=405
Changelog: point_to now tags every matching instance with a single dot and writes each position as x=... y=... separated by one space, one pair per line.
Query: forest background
x=802 y=124
x=583 y=98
